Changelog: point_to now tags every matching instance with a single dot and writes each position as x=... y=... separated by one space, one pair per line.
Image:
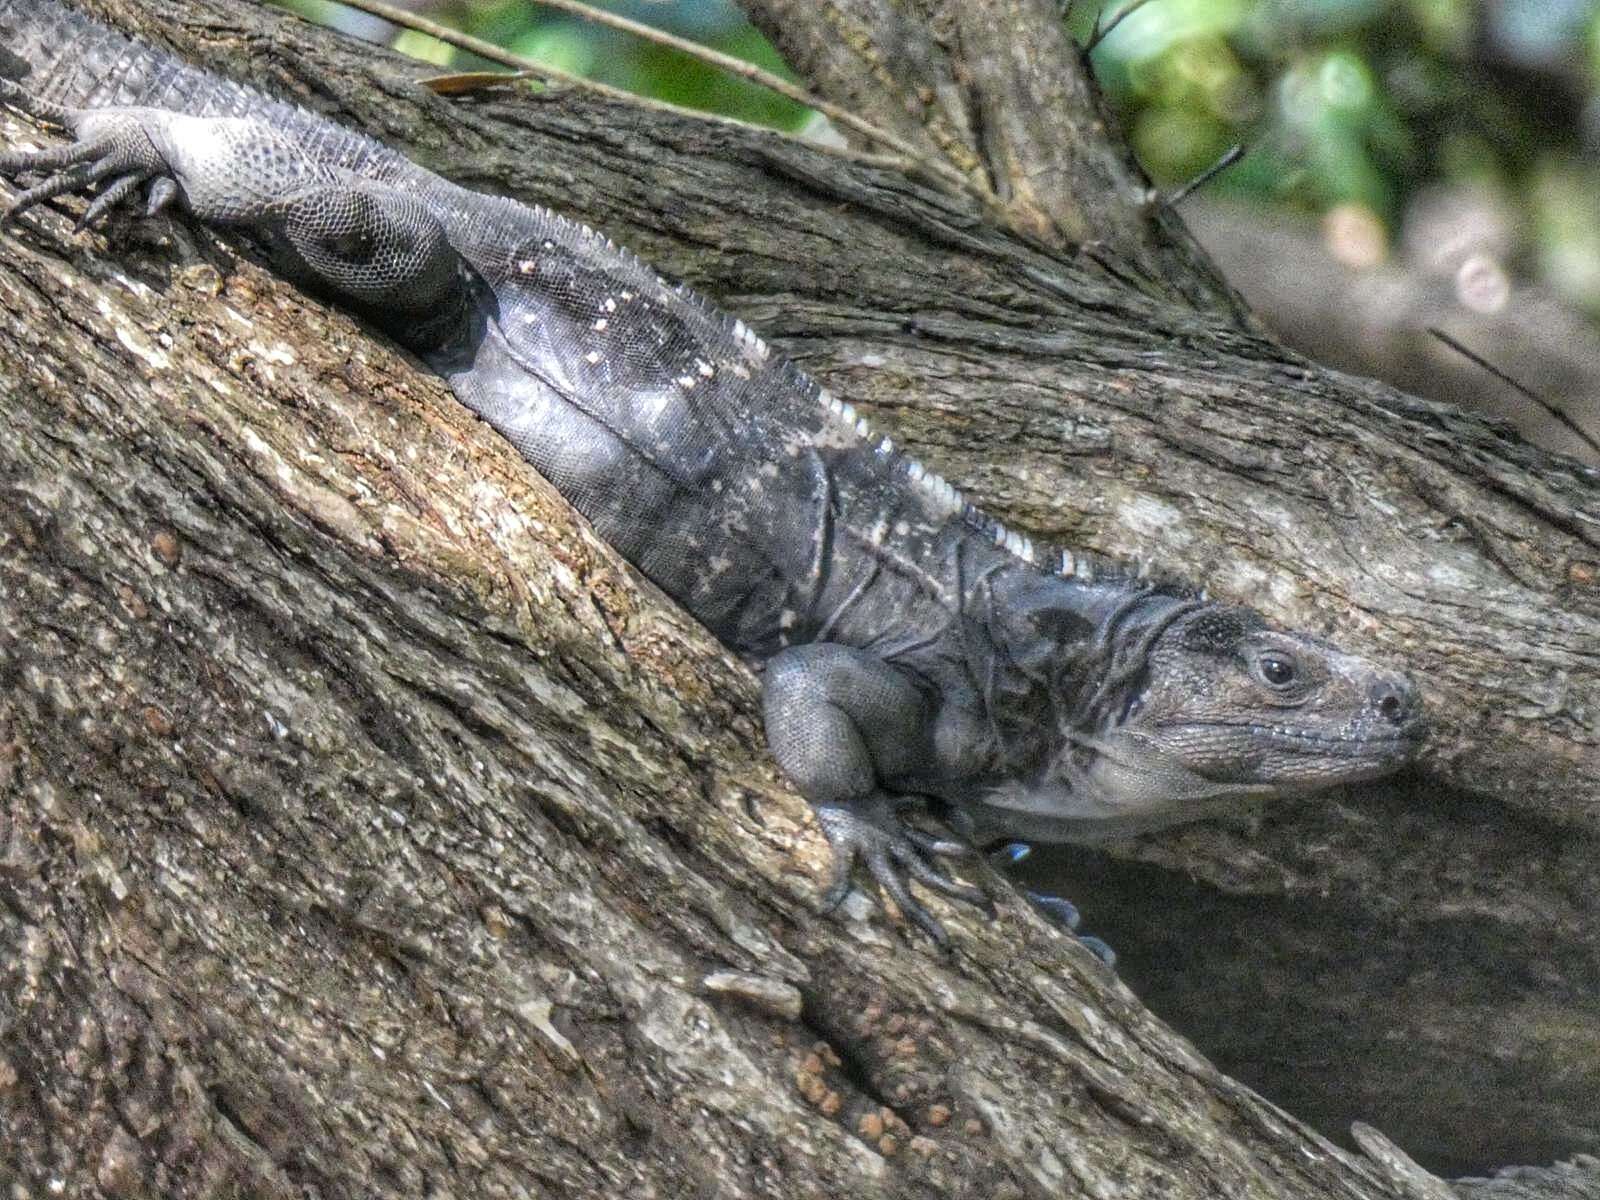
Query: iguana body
x=912 y=646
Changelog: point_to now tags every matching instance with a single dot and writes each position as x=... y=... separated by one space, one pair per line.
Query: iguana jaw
x=1129 y=783
x=1174 y=766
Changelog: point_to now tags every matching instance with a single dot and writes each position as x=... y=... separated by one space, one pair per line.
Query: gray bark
x=369 y=828
x=1576 y=1180
x=1375 y=320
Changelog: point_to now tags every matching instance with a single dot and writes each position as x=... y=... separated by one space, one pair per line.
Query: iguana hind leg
x=374 y=247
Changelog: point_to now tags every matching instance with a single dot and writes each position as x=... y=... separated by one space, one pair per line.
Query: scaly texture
x=913 y=646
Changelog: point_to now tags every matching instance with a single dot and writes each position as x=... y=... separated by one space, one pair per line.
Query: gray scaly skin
x=913 y=648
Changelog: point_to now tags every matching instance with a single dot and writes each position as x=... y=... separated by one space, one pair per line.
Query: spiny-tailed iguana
x=911 y=645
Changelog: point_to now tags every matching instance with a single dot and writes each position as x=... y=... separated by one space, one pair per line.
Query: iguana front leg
x=117 y=151
x=373 y=247
x=840 y=721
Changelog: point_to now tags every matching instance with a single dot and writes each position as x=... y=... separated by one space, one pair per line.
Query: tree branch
x=1001 y=91
x=368 y=821
x=1375 y=321
x=369 y=824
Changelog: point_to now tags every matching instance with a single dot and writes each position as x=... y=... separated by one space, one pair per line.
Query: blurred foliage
x=600 y=53
x=1354 y=108
x=1366 y=106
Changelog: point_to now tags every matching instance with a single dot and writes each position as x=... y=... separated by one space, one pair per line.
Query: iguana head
x=1200 y=705
x=1226 y=704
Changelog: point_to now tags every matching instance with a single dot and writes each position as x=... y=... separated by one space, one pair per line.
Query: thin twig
x=715 y=58
x=461 y=83
x=1233 y=155
x=1099 y=35
x=754 y=74
x=488 y=50
x=1572 y=426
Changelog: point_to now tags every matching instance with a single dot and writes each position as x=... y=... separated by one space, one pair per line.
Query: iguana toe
x=113 y=152
x=1099 y=949
x=1058 y=909
x=873 y=834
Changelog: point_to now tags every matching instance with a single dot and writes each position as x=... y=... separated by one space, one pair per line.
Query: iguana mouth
x=1311 y=742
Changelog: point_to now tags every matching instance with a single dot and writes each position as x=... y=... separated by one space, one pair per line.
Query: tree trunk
x=371 y=829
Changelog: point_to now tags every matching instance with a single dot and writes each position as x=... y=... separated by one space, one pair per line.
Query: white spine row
x=946 y=498
x=1075 y=568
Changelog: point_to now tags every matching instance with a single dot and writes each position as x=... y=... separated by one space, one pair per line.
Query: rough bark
x=998 y=91
x=370 y=829
x=1576 y=1180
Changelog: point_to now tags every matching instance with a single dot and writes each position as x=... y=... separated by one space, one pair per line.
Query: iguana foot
x=112 y=152
x=1058 y=910
x=872 y=832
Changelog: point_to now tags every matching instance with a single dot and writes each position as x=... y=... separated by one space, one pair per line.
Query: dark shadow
x=1422 y=960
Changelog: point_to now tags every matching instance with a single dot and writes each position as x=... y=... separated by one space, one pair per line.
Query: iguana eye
x=1276 y=669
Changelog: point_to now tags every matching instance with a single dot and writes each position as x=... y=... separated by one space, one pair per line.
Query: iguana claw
x=1058 y=910
x=14 y=95
x=112 y=150
x=872 y=832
